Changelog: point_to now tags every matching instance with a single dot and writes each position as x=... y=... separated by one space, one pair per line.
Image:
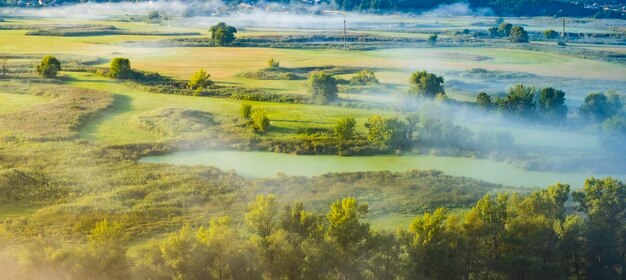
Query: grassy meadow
x=71 y=147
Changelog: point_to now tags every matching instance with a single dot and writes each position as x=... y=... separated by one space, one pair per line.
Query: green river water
x=267 y=165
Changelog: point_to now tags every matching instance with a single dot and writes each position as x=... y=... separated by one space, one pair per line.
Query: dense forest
x=499 y=7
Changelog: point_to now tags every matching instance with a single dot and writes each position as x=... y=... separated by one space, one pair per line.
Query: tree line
x=550 y=233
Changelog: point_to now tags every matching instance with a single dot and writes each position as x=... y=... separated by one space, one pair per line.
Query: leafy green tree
x=520 y=100
x=425 y=84
x=120 y=68
x=386 y=132
x=106 y=249
x=505 y=29
x=494 y=32
x=344 y=225
x=601 y=106
x=551 y=104
x=223 y=34
x=223 y=255
x=550 y=34
x=364 y=77
x=570 y=244
x=297 y=220
x=261 y=215
x=432 y=39
x=384 y=260
x=430 y=248
x=260 y=121
x=484 y=100
x=345 y=127
x=246 y=111
x=485 y=227
x=351 y=236
x=519 y=35
x=272 y=63
x=323 y=87
x=604 y=203
x=200 y=79
x=49 y=67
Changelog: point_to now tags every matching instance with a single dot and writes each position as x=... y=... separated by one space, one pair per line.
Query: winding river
x=267 y=165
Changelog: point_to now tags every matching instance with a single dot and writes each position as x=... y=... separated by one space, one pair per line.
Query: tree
x=199 y=80
x=272 y=63
x=520 y=100
x=49 y=67
x=322 y=86
x=222 y=34
x=551 y=103
x=505 y=29
x=344 y=129
x=519 y=35
x=494 y=32
x=615 y=124
x=260 y=121
x=120 y=68
x=386 y=132
x=484 y=100
x=344 y=225
x=425 y=84
x=550 y=34
x=4 y=66
x=604 y=202
x=363 y=78
x=430 y=247
x=246 y=111
x=432 y=39
x=601 y=106
x=106 y=248
x=261 y=215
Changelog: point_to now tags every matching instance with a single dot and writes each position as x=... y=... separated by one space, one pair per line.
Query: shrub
x=344 y=129
x=49 y=67
x=425 y=84
x=323 y=87
x=200 y=79
x=550 y=34
x=519 y=35
x=120 y=68
x=364 y=77
x=222 y=34
x=273 y=63
x=246 y=110
x=260 y=121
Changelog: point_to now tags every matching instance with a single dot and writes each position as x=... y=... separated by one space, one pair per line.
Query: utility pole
x=563 y=28
x=345 y=35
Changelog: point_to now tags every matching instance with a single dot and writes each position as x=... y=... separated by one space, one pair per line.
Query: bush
x=260 y=121
x=323 y=87
x=200 y=79
x=246 y=110
x=120 y=68
x=432 y=39
x=344 y=129
x=364 y=77
x=222 y=34
x=519 y=35
x=550 y=34
x=49 y=67
x=273 y=63
x=426 y=84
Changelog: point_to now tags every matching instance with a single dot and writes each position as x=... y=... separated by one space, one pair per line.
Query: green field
x=83 y=148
